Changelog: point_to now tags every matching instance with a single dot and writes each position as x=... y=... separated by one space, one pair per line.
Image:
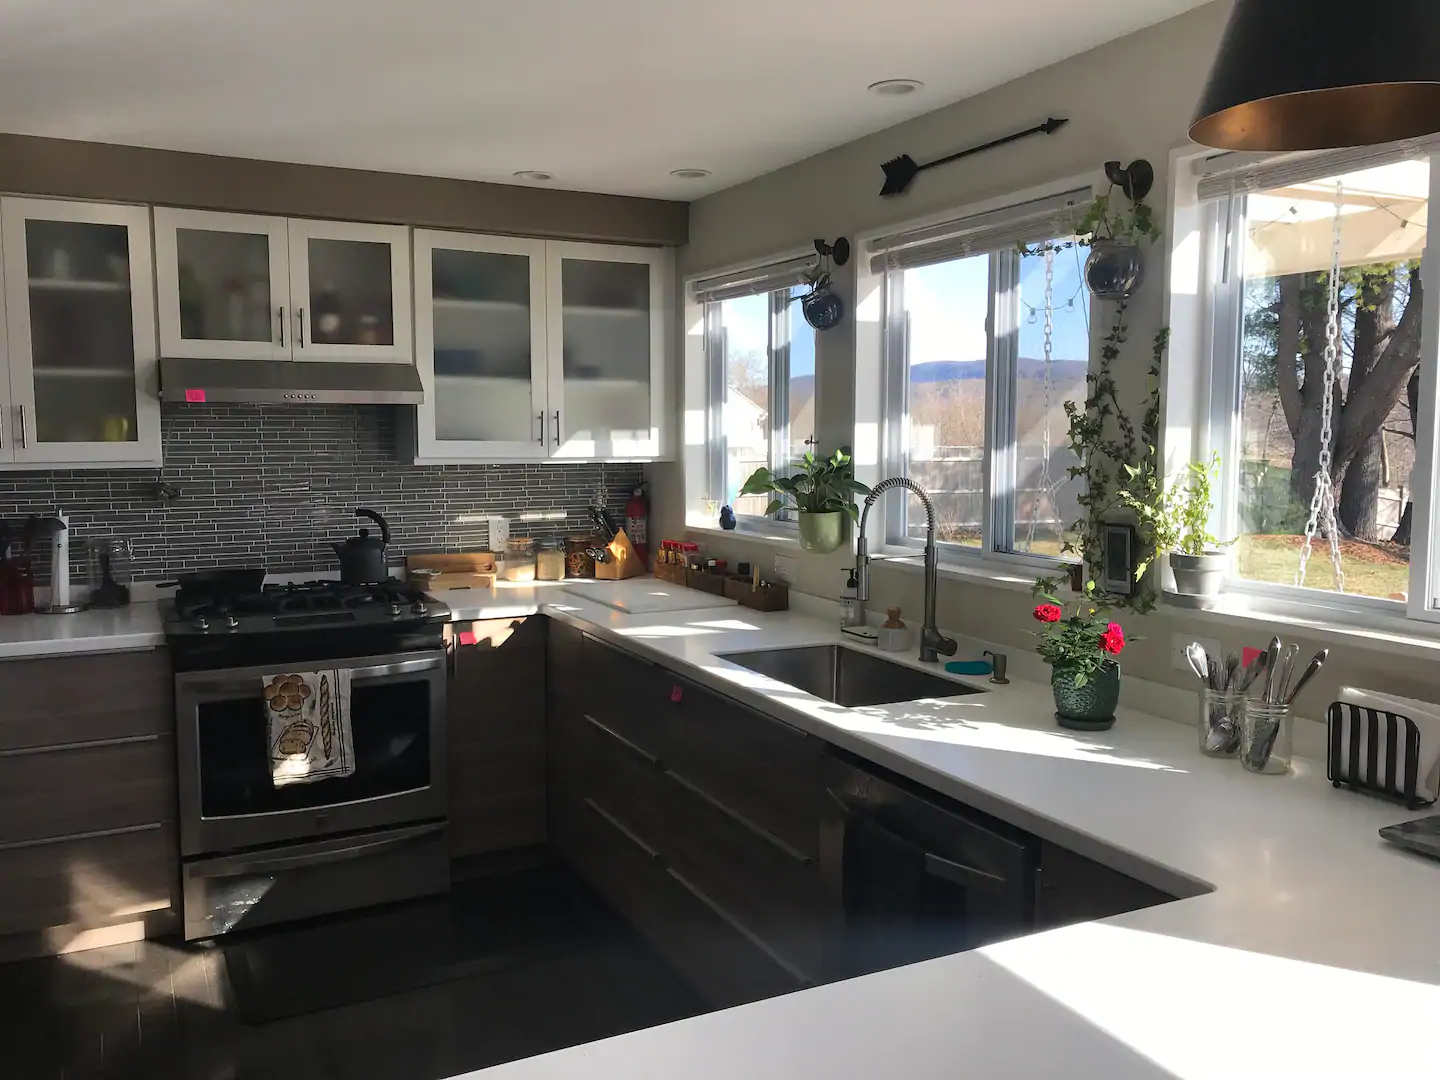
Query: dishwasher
x=918 y=875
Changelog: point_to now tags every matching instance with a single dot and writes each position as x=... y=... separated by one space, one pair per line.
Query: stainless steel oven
x=228 y=801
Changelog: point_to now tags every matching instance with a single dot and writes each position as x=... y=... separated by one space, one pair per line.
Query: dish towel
x=1426 y=717
x=309 y=726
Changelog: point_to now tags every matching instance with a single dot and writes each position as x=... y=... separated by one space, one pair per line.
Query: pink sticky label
x=1249 y=656
x=467 y=637
x=676 y=694
x=195 y=396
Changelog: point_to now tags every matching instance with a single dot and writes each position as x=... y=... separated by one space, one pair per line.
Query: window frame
x=778 y=433
x=1000 y=456
x=1214 y=419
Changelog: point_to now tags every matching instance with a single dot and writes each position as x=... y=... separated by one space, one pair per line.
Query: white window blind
x=753 y=281
x=1024 y=223
x=1247 y=174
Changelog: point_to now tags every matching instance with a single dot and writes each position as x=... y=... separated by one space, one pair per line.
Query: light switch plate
x=1179 y=642
x=784 y=569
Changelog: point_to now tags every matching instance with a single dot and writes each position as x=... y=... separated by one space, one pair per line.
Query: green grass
x=1381 y=570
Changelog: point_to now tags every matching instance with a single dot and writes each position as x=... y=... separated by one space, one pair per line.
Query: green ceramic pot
x=1090 y=707
x=821 y=534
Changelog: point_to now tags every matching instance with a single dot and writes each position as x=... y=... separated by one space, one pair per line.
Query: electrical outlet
x=1179 y=643
x=784 y=569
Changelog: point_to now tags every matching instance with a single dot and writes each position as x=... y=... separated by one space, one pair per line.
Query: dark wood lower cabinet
x=1075 y=889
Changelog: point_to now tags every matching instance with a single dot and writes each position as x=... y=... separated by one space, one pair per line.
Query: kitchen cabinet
x=246 y=287
x=79 y=381
x=535 y=350
x=1075 y=889
x=496 y=735
x=87 y=791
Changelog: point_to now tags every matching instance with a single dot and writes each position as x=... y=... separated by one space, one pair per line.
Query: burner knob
x=202 y=623
x=395 y=608
x=231 y=621
x=419 y=607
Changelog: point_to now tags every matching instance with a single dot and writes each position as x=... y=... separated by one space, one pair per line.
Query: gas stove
x=309 y=620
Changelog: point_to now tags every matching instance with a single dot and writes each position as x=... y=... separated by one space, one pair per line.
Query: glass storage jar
x=520 y=559
x=1221 y=713
x=550 y=563
x=1267 y=735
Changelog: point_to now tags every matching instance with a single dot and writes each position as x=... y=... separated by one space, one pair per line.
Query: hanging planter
x=822 y=306
x=1116 y=267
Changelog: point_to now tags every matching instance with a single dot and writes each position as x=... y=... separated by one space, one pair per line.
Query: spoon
x=1315 y=665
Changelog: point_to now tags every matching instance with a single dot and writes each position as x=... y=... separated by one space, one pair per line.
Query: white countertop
x=119 y=630
x=1307 y=946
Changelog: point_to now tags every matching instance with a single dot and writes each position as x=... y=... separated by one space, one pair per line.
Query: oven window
x=391 y=726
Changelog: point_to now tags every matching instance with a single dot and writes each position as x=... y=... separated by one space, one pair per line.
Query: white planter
x=1199 y=575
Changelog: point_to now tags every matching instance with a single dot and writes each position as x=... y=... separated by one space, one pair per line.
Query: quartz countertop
x=1305 y=946
x=126 y=629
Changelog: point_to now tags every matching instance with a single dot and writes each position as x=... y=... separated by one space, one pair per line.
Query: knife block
x=623 y=562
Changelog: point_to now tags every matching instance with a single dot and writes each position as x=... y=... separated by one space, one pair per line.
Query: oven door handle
x=265 y=864
x=399 y=667
x=205 y=683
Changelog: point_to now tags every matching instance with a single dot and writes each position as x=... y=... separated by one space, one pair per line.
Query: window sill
x=1377 y=631
x=993 y=575
x=775 y=535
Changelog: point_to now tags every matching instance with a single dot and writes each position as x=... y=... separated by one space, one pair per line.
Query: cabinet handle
x=541 y=418
x=300 y=324
x=740 y=928
x=641 y=844
x=282 y=326
x=649 y=758
x=24 y=439
x=2 y=427
x=557 y=427
x=740 y=819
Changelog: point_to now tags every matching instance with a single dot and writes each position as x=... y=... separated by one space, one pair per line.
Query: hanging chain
x=1322 y=503
x=1046 y=488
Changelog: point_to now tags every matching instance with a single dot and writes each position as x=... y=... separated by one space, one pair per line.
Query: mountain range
x=942 y=371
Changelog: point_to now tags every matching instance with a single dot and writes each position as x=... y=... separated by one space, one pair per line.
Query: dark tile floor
x=569 y=972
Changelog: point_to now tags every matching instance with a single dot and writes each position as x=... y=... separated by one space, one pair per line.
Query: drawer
x=60 y=700
x=625 y=694
x=712 y=949
x=764 y=770
x=86 y=788
x=603 y=765
x=91 y=880
x=774 y=889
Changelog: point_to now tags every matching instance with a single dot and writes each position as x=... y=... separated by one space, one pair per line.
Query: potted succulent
x=1178 y=519
x=1080 y=646
x=823 y=492
x=1116 y=265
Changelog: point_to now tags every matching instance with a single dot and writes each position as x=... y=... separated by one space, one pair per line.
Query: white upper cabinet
x=245 y=287
x=350 y=287
x=480 y=346
x=79 y=375
x=533 y=349
x=224 y=285
x=606 y=318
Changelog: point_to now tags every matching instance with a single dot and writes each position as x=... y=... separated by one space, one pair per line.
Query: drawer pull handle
x=740 y=819
x=97 y=834
x=92 y=744
x=743 y=930
x=960 y=874
x=620 y=827
x=649 y=758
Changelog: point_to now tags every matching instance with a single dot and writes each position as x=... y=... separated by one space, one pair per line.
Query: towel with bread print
x=309 y=726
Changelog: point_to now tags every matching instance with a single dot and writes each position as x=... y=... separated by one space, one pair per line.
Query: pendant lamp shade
x=1323 y=74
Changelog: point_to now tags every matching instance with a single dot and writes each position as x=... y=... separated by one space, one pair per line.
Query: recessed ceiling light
x=895 y=87
x=534 y=174
x=690 y=174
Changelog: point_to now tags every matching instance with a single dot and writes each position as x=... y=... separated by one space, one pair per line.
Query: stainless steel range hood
x=288 y=382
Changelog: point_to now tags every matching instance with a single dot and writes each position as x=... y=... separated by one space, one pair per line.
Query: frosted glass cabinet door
x=480 y=346
x=224 y=285
x=80 y=327
x=350 y=285
x=607 y=333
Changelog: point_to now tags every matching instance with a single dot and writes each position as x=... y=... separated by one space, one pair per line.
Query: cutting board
x=467 y=570
x=645 y=596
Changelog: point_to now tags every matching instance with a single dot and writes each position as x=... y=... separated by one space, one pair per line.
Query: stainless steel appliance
x=254 y=853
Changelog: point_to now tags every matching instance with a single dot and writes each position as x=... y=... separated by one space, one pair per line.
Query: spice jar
x=520 y=559
x=578 y=561
x=550 y=562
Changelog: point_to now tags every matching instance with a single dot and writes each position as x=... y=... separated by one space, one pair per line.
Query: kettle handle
x=365 y=512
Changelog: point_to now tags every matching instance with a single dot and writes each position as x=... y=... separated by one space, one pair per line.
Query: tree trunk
x=1406 y=529
x=1358 y=509
x=1359 y=493
x=1306 y=462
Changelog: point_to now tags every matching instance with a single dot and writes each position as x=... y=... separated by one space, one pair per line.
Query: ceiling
x=608 y=95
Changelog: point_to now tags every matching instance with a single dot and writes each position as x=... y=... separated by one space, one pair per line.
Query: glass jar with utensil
x=1221 y=712
x=1267 y=737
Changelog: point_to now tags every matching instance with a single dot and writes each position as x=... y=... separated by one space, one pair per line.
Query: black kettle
x=362 y=557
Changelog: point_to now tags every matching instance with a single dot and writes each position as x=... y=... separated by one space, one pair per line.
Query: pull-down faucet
x=932 y=642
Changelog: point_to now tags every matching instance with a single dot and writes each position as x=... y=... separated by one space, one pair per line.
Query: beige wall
x=1129 y=99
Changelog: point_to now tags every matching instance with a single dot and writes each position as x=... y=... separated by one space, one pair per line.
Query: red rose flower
x=1049 y=613
x=1113 y=640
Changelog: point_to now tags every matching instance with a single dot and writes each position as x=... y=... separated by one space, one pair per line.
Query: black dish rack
x=1393 y=775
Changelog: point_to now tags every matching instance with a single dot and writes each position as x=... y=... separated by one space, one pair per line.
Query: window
x=984 y=343
x=761 y=355
x=1275 y=231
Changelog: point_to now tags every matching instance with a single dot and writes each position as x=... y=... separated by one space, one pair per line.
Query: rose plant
x=1082 y=643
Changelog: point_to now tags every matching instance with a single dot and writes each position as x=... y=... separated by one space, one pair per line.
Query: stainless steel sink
x=848 y=677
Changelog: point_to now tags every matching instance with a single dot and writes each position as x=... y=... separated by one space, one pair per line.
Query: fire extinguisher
x=637 y=523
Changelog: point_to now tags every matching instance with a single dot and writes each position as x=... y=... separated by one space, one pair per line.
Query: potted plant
x=1178 y=518
x=823 y=492
x=1116 y=265
x=1080 y=646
